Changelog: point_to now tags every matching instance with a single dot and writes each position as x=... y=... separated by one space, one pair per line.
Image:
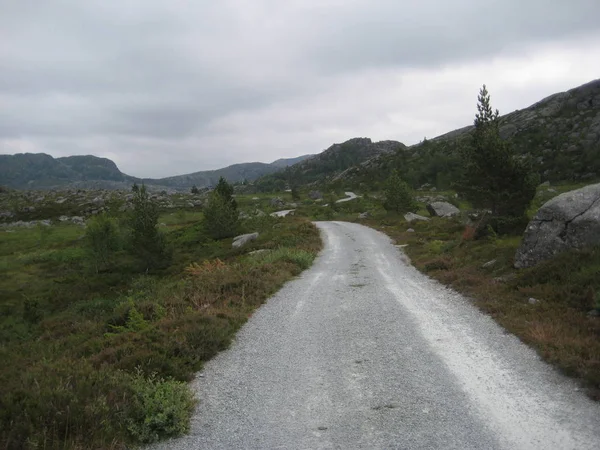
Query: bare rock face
x=568 y=221
x=442 y=209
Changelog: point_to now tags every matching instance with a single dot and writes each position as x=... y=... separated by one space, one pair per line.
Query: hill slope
x=327 y=166
x=560 y=133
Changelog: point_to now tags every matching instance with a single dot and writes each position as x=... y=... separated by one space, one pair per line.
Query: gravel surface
x=363 y=351
x=349 y=196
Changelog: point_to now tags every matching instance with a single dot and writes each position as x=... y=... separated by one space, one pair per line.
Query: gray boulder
x=568 y=221
x=364 y=215
x=442 y=209
x=409 y=217
x=243 y=239
x=277 y=202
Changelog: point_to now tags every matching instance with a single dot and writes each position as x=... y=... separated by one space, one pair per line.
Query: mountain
x=327 y=165
x=233 y=174
x=42 y=171
x=285 y=162
x=560 y=134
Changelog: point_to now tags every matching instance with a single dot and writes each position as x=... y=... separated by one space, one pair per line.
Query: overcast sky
x=165 y=87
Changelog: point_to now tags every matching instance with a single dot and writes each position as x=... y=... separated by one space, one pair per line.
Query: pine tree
x=221 y=217
x=493 y=177
x=146 y=242
x=398 y=195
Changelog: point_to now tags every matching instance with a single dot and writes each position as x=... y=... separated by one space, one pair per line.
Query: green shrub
x=220 y=217
x=434 y=247
x=398 y=195
x=147 y=243
x=102 y=241
x=163 y=408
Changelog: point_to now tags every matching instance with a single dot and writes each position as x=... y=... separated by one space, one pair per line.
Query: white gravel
x=363 y=351
x=349 y=196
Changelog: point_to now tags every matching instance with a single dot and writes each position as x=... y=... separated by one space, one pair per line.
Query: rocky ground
x=30 y=208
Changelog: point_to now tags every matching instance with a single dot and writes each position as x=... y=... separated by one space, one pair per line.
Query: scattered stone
x=243 y=239
x=568 y=221
x=442 y=209
x=283 y=213
x=364 y=215
x=545 y=184
x=533 y=301
x=277 y=202
x=409 y=217
x=488 y=264
x=410 y=230
x=60 y=200
x=258 y=252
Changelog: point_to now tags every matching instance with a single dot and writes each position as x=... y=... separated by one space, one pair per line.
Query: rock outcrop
x=568 y=221
x=442 y=209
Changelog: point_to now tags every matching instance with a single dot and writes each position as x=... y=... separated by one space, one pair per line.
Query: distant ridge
x=42 y=171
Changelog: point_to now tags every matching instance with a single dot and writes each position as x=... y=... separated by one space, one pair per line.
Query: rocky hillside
x=41 y=171
x=560 y=133
x=328 y=165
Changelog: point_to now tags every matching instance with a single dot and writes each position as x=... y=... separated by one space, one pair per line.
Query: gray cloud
x=167 y=87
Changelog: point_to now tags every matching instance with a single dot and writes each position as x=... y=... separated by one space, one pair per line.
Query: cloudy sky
x=166 y=87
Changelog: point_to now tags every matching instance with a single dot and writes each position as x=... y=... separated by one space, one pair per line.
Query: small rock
x=277 y=202
x=488 y=264
x=442 y=209
x=533 y=301
x=409 y=217
x=364 y=215
x=243 y=239
x=258 y=252
x=315 y=195
x=410 y=230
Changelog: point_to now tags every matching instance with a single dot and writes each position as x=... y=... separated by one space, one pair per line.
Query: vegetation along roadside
x=102 y=326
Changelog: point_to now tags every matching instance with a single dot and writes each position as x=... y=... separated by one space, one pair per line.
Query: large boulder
x=568 y=221
x=442 y=209
x=243 y=239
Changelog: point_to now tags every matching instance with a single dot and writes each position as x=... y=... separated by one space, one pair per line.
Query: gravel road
x=363 y=351
x=349 y=196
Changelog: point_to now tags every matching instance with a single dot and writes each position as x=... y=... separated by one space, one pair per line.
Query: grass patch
x=100 y=359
